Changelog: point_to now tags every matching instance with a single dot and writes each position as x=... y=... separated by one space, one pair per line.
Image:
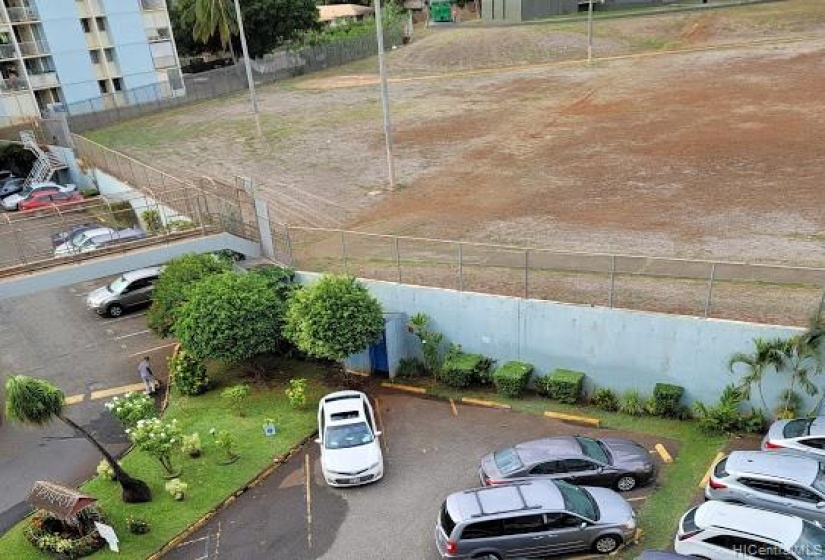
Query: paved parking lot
x=24 y=239
x=431 y=450
x=52 y=335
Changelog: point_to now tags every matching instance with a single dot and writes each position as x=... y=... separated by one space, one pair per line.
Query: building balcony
x=162 y=62
x=13 y=86
x=20 y=15
x=152 y=5
x=7 y=51
x=43 y=80
x=34 y=48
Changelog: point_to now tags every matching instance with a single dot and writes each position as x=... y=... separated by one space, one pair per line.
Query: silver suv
x=775 y=481
x=129 y=290
x=532 y=519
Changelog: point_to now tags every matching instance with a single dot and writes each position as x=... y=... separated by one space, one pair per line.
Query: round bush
x=188 y=374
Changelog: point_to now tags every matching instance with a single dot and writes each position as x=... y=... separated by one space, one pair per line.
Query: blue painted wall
x=129 y=40
x=616 y=348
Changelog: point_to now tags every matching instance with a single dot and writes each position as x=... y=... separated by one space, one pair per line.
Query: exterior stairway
x=47 y=162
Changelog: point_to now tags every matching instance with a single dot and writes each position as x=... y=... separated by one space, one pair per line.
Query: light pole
x=385 y=99
x=249 y=78
x=590 y=31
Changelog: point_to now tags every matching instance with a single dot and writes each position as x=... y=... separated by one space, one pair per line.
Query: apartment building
x=84 y=55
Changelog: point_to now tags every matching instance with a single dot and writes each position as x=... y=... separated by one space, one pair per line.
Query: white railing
x=7 y=51
x=23 y=14
x=34 y=48
x=13 y=84
x=43 y=80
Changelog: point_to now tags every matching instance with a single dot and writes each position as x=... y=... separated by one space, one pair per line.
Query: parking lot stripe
x=482 y=402
x=455 y=410
x=104 y=393
x=150 y=350
x=74 y=399
x=121 y=337
x=308 y=478
x=663 y=453
x=125 y=317
x=704 y=481
x=637 y=499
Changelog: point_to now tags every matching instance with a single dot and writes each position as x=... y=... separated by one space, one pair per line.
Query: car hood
x=98 y=295
x=12 y=200
x=489 y=467
x=613 y=509
x=627 y=454
x=351 y=460
x=65 y=248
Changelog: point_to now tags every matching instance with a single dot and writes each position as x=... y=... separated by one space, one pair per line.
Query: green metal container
x=441 y=11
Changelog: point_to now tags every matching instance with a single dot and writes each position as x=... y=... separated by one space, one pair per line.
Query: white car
x=348 y=436
x=10 y=202
x=80 y=242
x=804 y=436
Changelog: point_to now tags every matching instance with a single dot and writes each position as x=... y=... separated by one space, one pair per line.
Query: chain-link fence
x=282 y=64
x=771 y=294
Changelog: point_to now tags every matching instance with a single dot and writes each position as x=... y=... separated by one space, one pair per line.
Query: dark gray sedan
x=611 y=462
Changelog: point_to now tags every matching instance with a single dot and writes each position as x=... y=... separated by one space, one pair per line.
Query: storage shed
x=514 y=11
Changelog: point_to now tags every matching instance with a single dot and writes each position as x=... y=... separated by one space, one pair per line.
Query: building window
x=117 y=83
x=95 y=56
x=110 y=55
x=86 y=24
x=101 y=23
x=104 y=87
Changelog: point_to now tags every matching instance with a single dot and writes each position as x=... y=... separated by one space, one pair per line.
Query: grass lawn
x=209 y=482
x=678 y=482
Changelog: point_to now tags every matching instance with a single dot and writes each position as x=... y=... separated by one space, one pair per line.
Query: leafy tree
x=270 y=23
x=801 y=359
x=230 y=317
x=16 y=159
x=38 y=402
x=171 y=289
x=333 y=318
x=212 y=18
x=180 y=15
x=766 y=355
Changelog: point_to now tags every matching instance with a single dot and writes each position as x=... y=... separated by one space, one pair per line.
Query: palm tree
x=210 y=18
x=766 y=354
x=38 y=402
x=801 y=358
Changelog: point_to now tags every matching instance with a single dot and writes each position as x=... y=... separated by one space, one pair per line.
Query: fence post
x=289 y=246
x=398 y=261
x=460 y=271
x=526 y=273
x=611 y=293
x=344 y=252
x=710 y=290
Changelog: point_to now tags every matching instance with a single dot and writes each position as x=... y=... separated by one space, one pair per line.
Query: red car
x=47 y=199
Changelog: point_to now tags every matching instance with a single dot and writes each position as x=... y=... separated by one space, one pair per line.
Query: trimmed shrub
x=236 y=396
x=666 y=400
x=188 y=374
x=511 y=379
x=605 y=399
x=563 y=385
x=726 y=416
x=632 y=403
x=410 y=367
x=462 y=370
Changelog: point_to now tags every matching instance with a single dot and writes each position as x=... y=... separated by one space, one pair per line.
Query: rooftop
x=336 y=11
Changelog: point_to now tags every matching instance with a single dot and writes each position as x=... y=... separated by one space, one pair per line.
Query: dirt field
x=707 y=153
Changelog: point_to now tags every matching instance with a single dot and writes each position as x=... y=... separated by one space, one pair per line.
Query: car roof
x=781 y=528
x=540 y=495
x=95 y=231
x=817 y=427
x=548 y=448
x=130 y=233
x=779 y=465
x=342 y=401
x=143 y=273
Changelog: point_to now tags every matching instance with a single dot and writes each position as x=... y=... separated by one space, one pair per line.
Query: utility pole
x=385 y=98
x=590 y=31
x=249 y=78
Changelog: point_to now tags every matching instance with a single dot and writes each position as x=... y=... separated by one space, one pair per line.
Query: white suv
x=348 y=436
x=722 y=531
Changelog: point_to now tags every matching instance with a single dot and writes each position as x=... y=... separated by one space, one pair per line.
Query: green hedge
x=563 y=384
x=462 y=370
x=511 y=379
x=667 y=400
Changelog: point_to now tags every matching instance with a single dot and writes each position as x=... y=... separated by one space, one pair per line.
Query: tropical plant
x=225 y=441
x=152 y=219
x=158 y=438
x=131 y=407
x=801 y=359
x=726 y=416
x=633 y=403
x=605 y=398
x=38 y=402
x=296 y=392
x=191 y=445
x=236 y=397
x=410 y=367
x=765 y=355
x=333 y=318
x=177 y=488
x=137 y=525
x=212 y=18
x=188 y=373
x=790 y=405
x=432 y=342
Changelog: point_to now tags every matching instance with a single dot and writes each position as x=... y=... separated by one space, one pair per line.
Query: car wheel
x=606 y=544
x=626 y=483
x=114 y=310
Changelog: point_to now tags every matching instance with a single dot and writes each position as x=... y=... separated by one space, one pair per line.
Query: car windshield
x=348 y=435
x=811 y=542
x=797 y=428
x=593 y=449
x=507 y=460
x=578 y=500
x=819 y=481
x=117 y=286
x=79 y=239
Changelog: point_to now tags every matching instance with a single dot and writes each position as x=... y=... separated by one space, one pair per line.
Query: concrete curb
x=407 y=388
x=706 y=478
x=594 y=422
x=488 y=404
x=663 y=453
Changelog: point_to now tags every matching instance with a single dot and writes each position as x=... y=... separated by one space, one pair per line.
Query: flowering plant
x=157 y=438
x=105 y=470
x=296 y=392
x=225 y=441
x=177 y=488
x=131 y=407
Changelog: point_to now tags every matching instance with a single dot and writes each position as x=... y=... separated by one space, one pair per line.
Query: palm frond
x=32 y=401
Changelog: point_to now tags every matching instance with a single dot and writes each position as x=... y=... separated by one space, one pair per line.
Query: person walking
x=148 y=378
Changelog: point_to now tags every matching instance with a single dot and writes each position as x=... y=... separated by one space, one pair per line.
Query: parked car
x=720 y=531
x=533 y=518
x=776 y=481
x=348 y=436
x=102 y=239
x=62 y=237
x=801 y=435
x=10 y=186
x=5 y=174
x=659 y=555
x=129 y=290
x=612 y=462
x=80 y=241
x=41 y=200
x=12 y=202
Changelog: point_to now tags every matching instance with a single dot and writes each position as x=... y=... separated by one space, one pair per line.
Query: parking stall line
x=636 y=499
x=308 y=483
x=105 y=393
x=150 y=350
x=706 y=478
x=130 y=335
x=452 y=405
x=125 y=317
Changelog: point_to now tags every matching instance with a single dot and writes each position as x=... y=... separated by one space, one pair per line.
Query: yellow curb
x=117 y=391
x=358 y=373
x=74 y=399
x=595 y=422
x=482 y=402
x=704 y=481
x=663 y=453
x=408 y=388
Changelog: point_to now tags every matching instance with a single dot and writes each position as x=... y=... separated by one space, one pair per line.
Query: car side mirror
x=583 y=526
x=378 y=433
x=318 y=440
